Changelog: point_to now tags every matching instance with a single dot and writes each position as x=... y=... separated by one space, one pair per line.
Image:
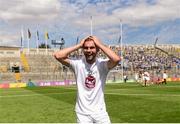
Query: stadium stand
x=41 y=66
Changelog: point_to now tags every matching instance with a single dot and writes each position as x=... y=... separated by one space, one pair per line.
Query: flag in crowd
x=37 y=34
x=37 y=40
x=119 y=40
x=29 y=37
x=22 y=37
x=29 y=34
x=46 y=35
x=46 y=41
x=21 y=42
x=77 y=40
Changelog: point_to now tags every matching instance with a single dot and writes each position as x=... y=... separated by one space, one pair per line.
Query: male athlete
x=90 y=73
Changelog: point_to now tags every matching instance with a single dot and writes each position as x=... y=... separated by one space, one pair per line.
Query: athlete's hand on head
x=96 y=40
x=82 y=41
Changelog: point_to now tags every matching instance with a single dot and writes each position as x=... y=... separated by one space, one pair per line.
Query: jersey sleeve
x=74 y=64
x=104 y=65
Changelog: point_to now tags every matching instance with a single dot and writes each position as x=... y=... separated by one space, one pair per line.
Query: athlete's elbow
x=118 y=59
x=57 y=55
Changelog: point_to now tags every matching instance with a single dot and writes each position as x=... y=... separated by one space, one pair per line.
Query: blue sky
x=142 y=20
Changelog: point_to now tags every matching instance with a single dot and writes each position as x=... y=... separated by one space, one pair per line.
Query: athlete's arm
x=113 y=57
x=62 y=55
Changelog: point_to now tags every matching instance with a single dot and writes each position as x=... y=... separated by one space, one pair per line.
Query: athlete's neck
x=91 y=61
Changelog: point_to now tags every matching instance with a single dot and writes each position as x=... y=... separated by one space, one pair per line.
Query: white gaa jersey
x=165 y=76
x=90 y=81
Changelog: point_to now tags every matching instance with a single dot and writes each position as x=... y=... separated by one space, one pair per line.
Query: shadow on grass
x=66 y=94
x=142 y=108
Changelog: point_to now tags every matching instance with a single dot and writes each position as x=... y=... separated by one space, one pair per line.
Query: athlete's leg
x=101 y=118
x=84 y=119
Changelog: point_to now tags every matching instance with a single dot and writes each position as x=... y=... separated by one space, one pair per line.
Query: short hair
x=90 y=39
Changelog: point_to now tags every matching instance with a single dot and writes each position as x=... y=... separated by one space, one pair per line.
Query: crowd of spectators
x=146 y=58
x=136 y=59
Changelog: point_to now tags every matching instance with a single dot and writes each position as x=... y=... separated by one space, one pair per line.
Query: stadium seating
x=42 y=66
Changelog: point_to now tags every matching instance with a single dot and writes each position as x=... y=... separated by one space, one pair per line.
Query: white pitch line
x=121 y=94
x=28 y=91
x=127 y=94
x=24 y=95
x=31 y=91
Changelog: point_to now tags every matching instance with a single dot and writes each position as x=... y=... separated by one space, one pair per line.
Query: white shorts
x=102 y=118
x=146 y=78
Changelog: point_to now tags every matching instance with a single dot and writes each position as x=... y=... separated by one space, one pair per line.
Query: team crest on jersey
x=90 y=82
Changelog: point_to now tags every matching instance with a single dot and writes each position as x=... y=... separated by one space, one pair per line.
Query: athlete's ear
x=97 y=49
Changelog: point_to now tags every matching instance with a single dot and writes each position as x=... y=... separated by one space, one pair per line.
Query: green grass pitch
x=126 y=103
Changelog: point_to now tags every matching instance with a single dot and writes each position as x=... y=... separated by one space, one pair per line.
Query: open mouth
x=89 y=56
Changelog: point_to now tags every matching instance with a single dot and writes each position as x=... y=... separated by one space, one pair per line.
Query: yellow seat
x=18 y=77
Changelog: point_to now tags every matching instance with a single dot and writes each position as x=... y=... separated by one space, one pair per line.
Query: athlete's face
x=90 y=51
